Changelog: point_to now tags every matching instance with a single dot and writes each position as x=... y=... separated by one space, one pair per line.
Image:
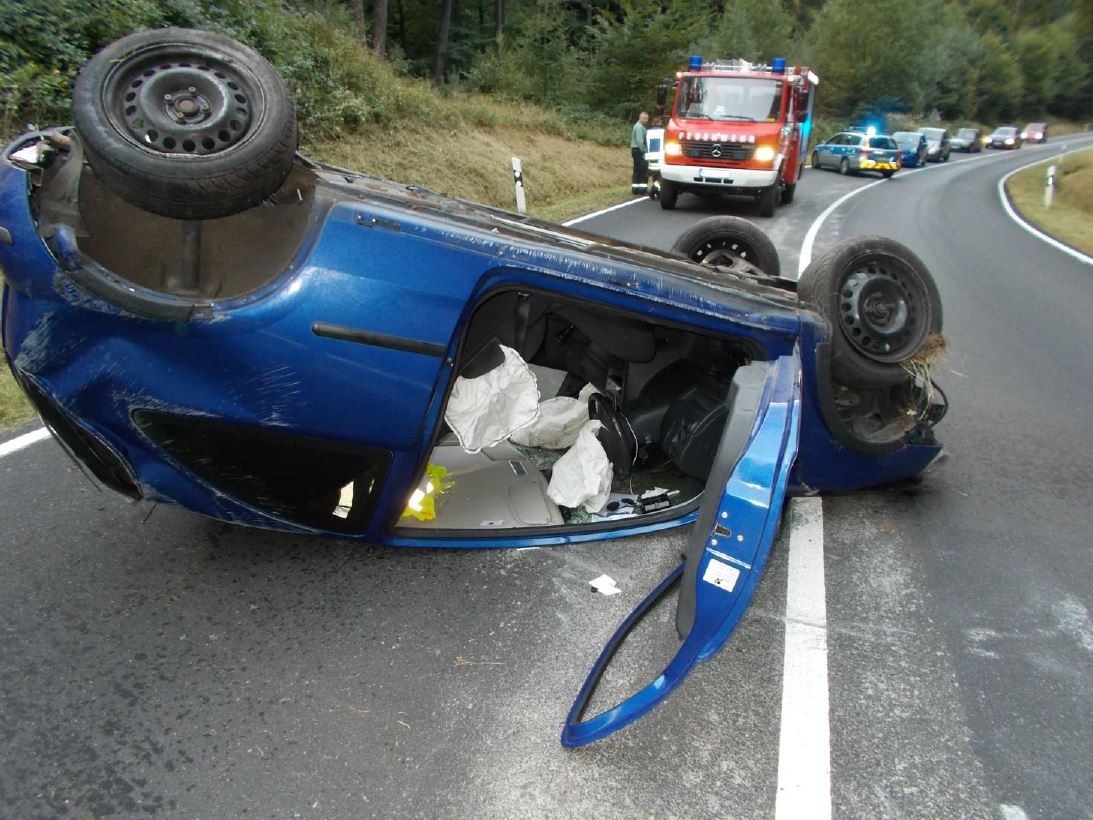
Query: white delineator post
x=1049 y=188
x=518 y=179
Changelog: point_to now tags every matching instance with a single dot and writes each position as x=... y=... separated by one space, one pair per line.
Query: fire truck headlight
x=764 y=153
x=672 y=148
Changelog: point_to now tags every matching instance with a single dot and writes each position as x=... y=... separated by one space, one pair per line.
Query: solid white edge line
x=25 y=440
x=604 y=211
x=810 y=237
x=1016 y=217
x=814 y=228
x=804 y=742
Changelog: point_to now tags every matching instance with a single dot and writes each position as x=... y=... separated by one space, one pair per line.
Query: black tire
x=768 y=199
x=815 y=159
x=669 y=193
x=788 y=192
x=882 y=304
x=887 y=174
x=844 y=166
x=186 y=124
x=726 y=241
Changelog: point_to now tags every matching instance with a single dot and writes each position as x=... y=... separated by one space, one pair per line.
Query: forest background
x=591 y=63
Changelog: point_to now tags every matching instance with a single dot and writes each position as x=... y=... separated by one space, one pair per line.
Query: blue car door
x=729 y=545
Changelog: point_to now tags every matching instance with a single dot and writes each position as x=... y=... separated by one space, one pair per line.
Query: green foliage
x=597 y=62
x=634 y=49
x=754 y=30
x=538 y=61
x=860 y=61
x=999 y=81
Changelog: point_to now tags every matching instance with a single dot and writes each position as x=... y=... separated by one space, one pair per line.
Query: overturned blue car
x=203 y=318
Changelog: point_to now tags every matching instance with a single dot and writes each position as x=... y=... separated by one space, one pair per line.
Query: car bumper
x=874 y=165
x=700 y=176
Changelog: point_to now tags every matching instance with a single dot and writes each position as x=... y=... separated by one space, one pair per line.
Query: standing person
x=639 y=144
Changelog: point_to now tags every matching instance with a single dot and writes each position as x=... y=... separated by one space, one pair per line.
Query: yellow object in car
x=422 y=503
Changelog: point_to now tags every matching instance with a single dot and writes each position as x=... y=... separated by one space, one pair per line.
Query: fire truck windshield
x=729 y=98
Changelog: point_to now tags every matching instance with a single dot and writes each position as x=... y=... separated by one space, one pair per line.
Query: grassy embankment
x=1070 y=217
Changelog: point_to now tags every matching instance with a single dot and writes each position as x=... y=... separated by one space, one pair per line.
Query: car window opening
x=658 y=394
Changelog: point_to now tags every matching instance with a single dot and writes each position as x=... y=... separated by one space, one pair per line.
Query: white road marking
x=626 y=204
x=1016 y=217
x=814 y=228
x=804 y=750
x=25 y=440
x=810 y=237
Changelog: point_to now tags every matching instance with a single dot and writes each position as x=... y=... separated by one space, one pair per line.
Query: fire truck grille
x=718 y=151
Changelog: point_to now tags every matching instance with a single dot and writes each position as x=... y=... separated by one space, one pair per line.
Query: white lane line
x=810 y=237
x=814 y=228
x=626 y=204
x=1016 y=217
x=804 y=750
x=25 y=440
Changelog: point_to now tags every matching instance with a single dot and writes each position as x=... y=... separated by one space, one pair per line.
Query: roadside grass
x=563 y=176
x=14 y=407
x=1070 y=218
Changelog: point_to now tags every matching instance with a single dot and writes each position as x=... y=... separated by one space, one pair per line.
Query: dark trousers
x=641 y=170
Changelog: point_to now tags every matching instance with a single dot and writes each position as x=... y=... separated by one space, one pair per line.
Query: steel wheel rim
x=177 y=100
x=883 y=309
x=725 y=252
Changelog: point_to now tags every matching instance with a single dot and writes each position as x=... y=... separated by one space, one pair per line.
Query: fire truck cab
x=738 y=128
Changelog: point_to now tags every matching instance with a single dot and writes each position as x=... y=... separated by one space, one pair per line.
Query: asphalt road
x=157 y=663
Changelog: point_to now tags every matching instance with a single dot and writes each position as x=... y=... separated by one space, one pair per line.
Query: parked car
x=855 y=151
x=1035 y=132
x=1005 y=137
x=968 y=140
x=203 y=318
x=912 y=148
x=937 y=144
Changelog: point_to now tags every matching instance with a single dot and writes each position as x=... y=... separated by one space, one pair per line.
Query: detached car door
x=728 y=548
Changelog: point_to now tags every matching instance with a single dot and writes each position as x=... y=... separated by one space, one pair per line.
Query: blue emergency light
x=778 y=65
x=696 y=63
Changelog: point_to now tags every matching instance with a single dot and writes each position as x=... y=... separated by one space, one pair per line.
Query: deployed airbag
x=582 y=477
x=560 y=420
x=486 y=410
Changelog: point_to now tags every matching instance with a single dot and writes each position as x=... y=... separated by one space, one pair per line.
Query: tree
x=439 y=66
x=755 y=30
x=636 y=48
x=379 y=27
x=860 y=62
x=999 y=82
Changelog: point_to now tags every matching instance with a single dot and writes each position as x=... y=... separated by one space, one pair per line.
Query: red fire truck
x=737 y=128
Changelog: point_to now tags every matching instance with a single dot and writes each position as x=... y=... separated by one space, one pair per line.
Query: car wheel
x=768 y=199
x=887 y=174
x=882 y=303
x=788 y=192
x=186 y=124
x=726 y=241
x=815 y=159
x=844 y=166
x=669 y=193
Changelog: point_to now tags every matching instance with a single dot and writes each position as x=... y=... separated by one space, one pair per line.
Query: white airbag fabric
x=560 y=420
x=486 y=410
x=582 y=477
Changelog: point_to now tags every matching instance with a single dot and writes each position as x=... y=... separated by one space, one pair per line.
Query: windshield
x=1005 y=132
x=933 y=133
x=907 y=139
x=966 y=133
x=729 y=98
x=882 y=142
